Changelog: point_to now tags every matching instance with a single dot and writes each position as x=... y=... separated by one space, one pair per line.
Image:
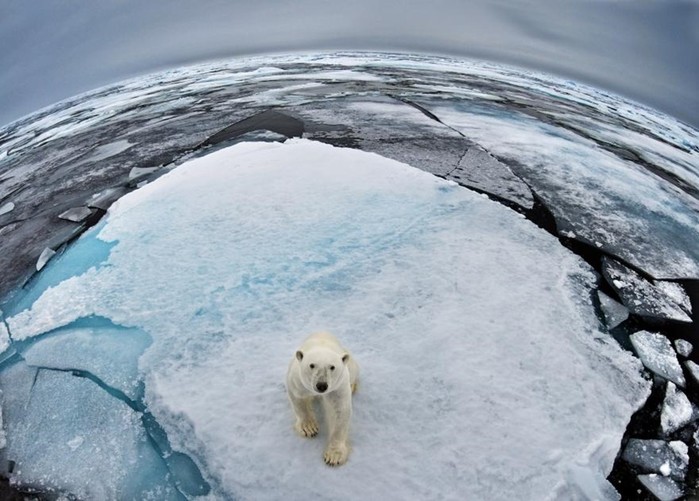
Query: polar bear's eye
x=332 y=367
x=312 y=366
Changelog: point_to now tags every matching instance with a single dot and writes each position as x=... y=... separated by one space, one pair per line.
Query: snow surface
x=462 y=315
x=656 y=353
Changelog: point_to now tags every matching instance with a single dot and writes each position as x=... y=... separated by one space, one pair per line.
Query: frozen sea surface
x=484 y=372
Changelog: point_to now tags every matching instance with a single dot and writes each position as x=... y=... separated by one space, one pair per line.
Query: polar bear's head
x=322 y=370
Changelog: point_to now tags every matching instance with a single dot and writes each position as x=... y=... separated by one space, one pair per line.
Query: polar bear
x=322 y=369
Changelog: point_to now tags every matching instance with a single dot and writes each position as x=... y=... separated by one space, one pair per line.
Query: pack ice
x=485 y=373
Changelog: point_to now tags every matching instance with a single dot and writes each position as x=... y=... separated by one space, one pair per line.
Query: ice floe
x=67 y=435
x=76 y=214
x=658 y=456
x=683 y=347
x=458 y=310
x=478 y=169
x=664 y=300
x=614 y=312
x=656 y=353
x=663 y=488
x=677 y=410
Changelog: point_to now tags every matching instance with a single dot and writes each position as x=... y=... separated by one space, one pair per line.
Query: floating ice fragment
x=663 y=488
x=613 y=311
x=76 y=214
x=657 y=355
x=137 y=172
x=8 y=207
x=683 y=347
x=693 y=369
x=664 y=300
x=651 y=455
x=104 y=199
x=677 y=410
x=44 y=258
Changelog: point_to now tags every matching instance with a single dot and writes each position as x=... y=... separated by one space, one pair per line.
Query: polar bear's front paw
x=308 y=428
x=336 y=454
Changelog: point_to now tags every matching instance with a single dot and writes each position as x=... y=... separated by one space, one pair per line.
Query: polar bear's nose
x=321 y=387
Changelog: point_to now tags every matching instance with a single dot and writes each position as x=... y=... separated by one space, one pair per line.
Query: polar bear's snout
x=321 y=386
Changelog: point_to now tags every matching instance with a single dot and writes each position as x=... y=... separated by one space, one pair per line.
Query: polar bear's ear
x=345 y=358
x=299 y=355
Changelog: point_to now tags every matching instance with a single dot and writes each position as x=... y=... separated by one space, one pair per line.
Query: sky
x=643 y=49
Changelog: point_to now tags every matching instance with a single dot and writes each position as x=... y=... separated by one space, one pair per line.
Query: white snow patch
x=452 y=304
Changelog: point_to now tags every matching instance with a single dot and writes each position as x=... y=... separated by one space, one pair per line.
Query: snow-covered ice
x=658 y=299
x=651 y=456
x=462 y=315
x=106 y=351
x=683 y=347
x=677 y=410
x=657 y=354
x=44 y=414
x=614 y=312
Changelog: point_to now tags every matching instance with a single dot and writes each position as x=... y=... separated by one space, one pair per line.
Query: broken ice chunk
x=613 y=311
x=104 y=199
x=8 y=207
x=663 y=300
x=693 y=369
x=76 y=214
x=137 y=172
x=677 y=410
x=651 y=455
x=663 y=488
x=479 y=169
x=107 y=351
x=683 y=347
x=44 y=258
x=657 y=355
x=112 y=458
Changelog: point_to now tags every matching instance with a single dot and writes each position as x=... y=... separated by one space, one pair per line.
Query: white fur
x=335 y=367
